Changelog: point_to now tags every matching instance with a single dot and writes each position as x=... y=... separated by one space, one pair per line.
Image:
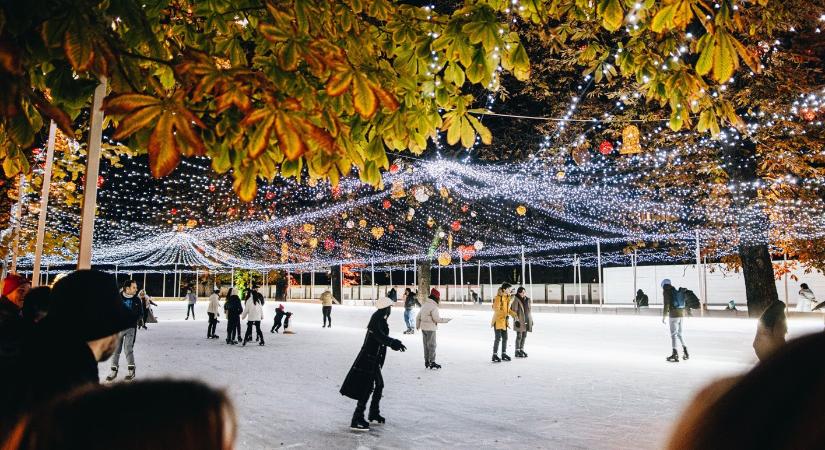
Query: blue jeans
x=408 y=319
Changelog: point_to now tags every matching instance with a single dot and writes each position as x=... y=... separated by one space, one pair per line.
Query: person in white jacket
x=806 y=300
x=213 y=310
x=427 y=321
x=253 y=312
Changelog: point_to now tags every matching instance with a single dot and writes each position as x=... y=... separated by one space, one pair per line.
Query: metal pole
x=163 y=293
x=599 y=262
x=523 y=273
x=530 y=272
x=18 y=217
x=574 y=274
x=232 y=280
x=312 y=283
x=579 y=269
x=699 y=274
x=197 y=282
x=439 y=275
x=44 y=204
x=405 y=275
x=47 y=275
x=785 y=257
x=144 y=280
x=490 y=267
x=372 y=280
x=455 y=285
x=287 y=294
x=87 y=217
x=415 y=272
x=633 y=259
x=461 y=271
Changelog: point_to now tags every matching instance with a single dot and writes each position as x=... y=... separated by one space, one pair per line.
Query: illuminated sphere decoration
x=606 y=147
x=362 y=223
x=444 y=259
x=455 y=226
x=478 y=245
x=350 y=224
x=521 y=210
x=386 y=204
x=421 y=195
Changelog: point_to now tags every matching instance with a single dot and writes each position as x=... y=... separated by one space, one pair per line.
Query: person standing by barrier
x=410 y=300
x=674 y=310
x=427 y=321
x=806 y=299
x=500 y=323
x=524 y=320
x=326 y=307
x=213 y=310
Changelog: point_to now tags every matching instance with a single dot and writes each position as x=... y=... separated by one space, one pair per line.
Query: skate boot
x=375 y=415
x=261 y=343
x=131 y=375
x=245 y=340
x=685 y=354
x=673 y=357
x=523 y=355
x=504 y=357
x=112 y=375
x=518 y=354
x=435 y=365
x=358 y=423
x=496 y=359
x=215 y=336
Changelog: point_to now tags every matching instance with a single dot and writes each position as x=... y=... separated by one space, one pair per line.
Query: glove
x=518 y=324
x=398 y=346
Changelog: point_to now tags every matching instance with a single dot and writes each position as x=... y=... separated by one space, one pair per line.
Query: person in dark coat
x=279 y=317
x=85 y=317
x=233 y=309
x=364 y=378
x=12 y=323
x=641 y=299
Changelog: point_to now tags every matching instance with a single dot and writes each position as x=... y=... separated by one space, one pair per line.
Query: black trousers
x=191 y=307
x=233 y=328
x=326 y=311
x=377 y=392
x=213 y=323
x=276 y=325
x=257 y=325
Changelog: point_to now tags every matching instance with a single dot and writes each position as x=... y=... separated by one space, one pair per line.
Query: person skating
x=279 y=317
x=364 y=377
x=427 y=321
x=326 y=307
x=253 y=313
x=674 y=310
x=232 y=310
x=806 y=300
x=524 y=320
x=126 y=338
x=191 y=298
x=500 y=323
x=213 y=311
x=410 y=301
x=287 y=317
x=641 y=299
x=148 y=316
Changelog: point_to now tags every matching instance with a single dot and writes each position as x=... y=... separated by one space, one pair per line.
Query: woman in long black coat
x=365 y=375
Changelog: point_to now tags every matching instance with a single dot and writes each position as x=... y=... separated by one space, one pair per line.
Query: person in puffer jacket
x=253 y=313
x=427 y=321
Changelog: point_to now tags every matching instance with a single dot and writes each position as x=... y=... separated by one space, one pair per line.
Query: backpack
x=678 y=300
x=691 y=300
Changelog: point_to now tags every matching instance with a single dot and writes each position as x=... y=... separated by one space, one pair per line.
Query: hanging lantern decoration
x=443 y=192
x=521 y=210
x=430 y=222
x=397 y=190
x=630 y=140
x=386 y=204
x=313 y=242
x=421 y=194
x=284 y=252
x=191 y=223
x=394 y=168
x=478 y=245
x=606 y=147
x=266 y=237
x=581 y=154
x=444 y=259
x=174 y=211
x=329 y=244
x=362 y=223
x=350 y=224
x=309 y=228
x=377 y=232
x=455 y=226
x=465 y=208
x=560 y=175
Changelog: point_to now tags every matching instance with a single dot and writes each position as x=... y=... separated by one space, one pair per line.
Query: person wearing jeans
x=190 y=298
x=427 y=321
x=524 y=320
x=326 y=307
x=675 y=312
x=126 y=338
x=410 y=301
x=500 y=323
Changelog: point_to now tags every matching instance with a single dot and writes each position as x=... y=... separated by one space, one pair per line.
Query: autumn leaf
x=288 y=137
x=387 y=99
x=611 y=13
x=125 y=103
x=136 y=121
x=245 y=183
x=78 y=47
x=339 y=82
x=259 y=139
x=164 y=155
x=363 y=97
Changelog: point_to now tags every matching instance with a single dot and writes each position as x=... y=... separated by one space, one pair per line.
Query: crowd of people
x=52 y=339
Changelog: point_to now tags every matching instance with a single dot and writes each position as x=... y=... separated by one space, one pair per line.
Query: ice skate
x=685 y=354
x=518 y=354
x=504 y=357
x=359 y=424
x=131 y=375
x=435 y=365
x=496 y=359
x=261 y=343
x=376 y=417
x=673 y=357
x=112 y=375
x=523 y=355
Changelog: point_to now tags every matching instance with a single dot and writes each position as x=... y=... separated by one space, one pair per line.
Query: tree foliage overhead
x=263 y=87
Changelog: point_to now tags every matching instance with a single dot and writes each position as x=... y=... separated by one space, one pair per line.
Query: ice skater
x=287 y=329
x=253 y=313
x=214 y=312
x=191 y=298
x=126 y=338
x=427 y=321
x=674 y=310
x=410 y=301
x=806 y=300
x=364 y=378
x=500 y=323
x=524 y=319
x=233 y=309
x=326 y=307
x=279 y=316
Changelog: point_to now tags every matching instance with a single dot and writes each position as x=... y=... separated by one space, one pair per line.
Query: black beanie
x=86 y=304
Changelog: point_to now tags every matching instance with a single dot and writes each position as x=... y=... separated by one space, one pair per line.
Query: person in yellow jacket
x=326 y=307
x=500 y=322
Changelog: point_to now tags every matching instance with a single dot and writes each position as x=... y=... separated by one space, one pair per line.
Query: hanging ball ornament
x=394 y=168
x=174 y=211
x=386 y=204
x=266 y=237
x=473 y=214
x=391 y=227
x=329 y=244
x=521 y=210
x=211 y=188
x=560 y=175
x=465 y=208
x=350 y=224
x=455 y=226
x=441 y=234
x=100 y=181
x=605 y=148
x=808 y=114
x=309 y=228
x=630 y=140
x=443 y=192
x=313 y=242
x=478 y=245
x=377 y=232
x=270 y=195
x=70 y=186
x=421 y=194
x=362 y=223
x=444 y=259
x=430 y=222
x=312 y=182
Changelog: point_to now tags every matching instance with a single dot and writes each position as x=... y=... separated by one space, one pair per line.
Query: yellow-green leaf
x=663 y=19
x=725 y=60
x=363 y=98
x=164 y=155
x=136 y=121
x=483 y=132
x=289 y=139
x=611 y=13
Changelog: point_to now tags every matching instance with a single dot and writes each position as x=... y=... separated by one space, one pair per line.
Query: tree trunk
x=337 y=282
x=760 y=285
x=424 y=277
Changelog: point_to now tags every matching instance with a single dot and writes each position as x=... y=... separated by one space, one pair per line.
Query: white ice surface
x=591 y=381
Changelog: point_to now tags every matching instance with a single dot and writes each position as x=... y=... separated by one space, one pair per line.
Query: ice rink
x=590 y=382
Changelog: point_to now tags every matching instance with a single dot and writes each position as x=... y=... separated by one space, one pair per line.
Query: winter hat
x=12 y=282
x=281 y=306
x=665 y=281
x=87 y=305
x=435 y=295
x=392 y=295
x=384 y=303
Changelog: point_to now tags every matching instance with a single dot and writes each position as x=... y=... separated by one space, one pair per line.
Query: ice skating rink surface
x=590 y=382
